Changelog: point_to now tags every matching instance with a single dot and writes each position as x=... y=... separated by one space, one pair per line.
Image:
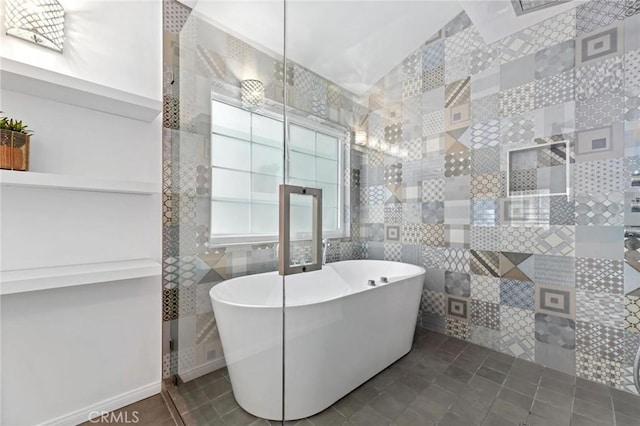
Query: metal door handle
x=284 y=255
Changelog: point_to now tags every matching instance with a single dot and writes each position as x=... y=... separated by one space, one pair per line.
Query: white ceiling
x=354 y=43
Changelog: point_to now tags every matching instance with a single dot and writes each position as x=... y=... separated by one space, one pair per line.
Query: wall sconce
x=360 y=137
x=38 y=21
x=252 y=94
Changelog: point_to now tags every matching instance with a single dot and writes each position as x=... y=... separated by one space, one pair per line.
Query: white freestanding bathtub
x=339 y=332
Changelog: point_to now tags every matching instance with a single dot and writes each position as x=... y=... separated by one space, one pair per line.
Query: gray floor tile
x=459 y=374
x=367 y=416
x=535 y=420
x=490 y=374
x=452 y=419
x=453 y=345
x=629 y=408
x=438 y=395
x=402 y=393
x=206 y=415
x=596 y=398
x=498 y=365
x=478 y=398
x=328 y=417
x=554 y=398
x=484 y=386
x=524 y=387
x=366 y=393
x=558 y=375
x=238 y=417
x=349 y=405
x=493 y=419
x=622 y=420
x=449 y=383
x=591 y=411
x=217 y=388
x=410 y=417
x=387 y=405
x=430 y=410
x=224 y=403
x=499 y=356
x=555 y=416
x=580 y=420
x=557 y=385
x=465 y=410
x=525 y=375
x=516 y=398
x=592 y=386
x=470 y=364
x=416 y=382
x=507 y=410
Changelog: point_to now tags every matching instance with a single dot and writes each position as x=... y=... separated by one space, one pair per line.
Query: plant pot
x=14 y=150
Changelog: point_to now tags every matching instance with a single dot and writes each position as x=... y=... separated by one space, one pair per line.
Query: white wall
x=69 y=351
x=111 y=42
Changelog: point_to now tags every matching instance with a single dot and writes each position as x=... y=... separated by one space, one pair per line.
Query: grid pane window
x=247 y=168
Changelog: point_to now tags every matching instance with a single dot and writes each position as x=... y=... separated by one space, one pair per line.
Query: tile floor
x=442 y=381
x=152 y=411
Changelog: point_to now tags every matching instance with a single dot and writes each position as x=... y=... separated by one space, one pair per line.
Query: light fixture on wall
x=252 y=94
x=360 y=137
x=38 y=21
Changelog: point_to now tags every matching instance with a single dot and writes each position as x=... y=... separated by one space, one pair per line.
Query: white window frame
x=293 y=117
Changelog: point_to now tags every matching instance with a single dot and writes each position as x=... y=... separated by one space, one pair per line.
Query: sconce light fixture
x=252 y=94
x=360 y=137
x=38 y=21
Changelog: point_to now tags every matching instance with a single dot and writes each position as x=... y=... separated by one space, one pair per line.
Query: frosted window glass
x=329 y=194
x=326 y=170
x=267 y=131
x=265 y=188
x=230 y=218
x=230 y=121
x=327 y=146
x=302 y=166
x=302 y=139
x=301 y=218
x=231 y=185
x=302 y=182
x=329 y=219
x=266 y=160
x=264 y=219
x=230 y=153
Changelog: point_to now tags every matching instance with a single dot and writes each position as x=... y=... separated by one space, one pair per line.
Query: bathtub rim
x=419 y=271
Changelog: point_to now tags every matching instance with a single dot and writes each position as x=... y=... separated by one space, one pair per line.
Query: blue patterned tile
x=518 y=294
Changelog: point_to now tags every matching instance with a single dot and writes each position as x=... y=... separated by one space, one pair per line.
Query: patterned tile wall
x=193 y=65
x=540 y=278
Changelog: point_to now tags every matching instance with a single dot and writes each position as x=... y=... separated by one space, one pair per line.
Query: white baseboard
x=108 y=405
x=201 y=370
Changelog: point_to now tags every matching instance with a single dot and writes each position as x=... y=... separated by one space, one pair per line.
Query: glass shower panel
x=226 y=159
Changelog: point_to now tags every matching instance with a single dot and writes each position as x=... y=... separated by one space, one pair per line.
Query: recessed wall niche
x=538 y=171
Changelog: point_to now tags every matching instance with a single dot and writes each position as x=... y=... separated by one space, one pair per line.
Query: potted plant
x=14 y=144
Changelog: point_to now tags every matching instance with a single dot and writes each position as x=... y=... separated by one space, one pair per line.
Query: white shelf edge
x=76 y=183
x=27 y=280
x=32 y=80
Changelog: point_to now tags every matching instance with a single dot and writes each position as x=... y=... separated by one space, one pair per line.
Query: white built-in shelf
x=26 y=280
x=76 y=183
x=43 y=83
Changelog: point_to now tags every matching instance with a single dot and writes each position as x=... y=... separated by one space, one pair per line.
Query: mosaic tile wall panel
x=529 y=276
x=194 y=65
